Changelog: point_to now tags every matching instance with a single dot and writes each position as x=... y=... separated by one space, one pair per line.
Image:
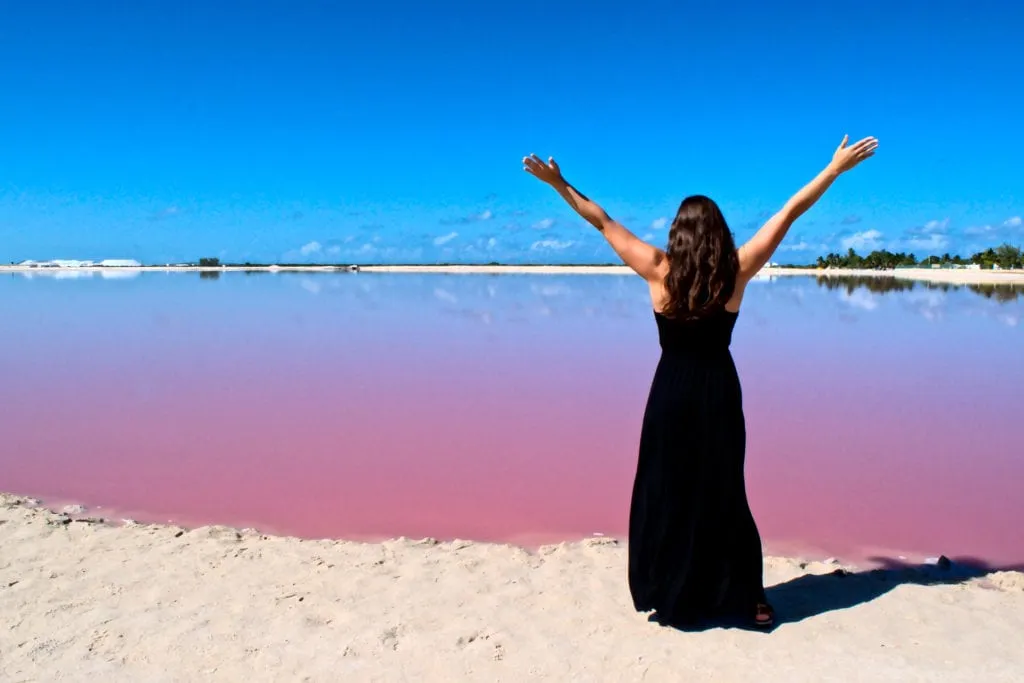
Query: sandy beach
x=88 y=600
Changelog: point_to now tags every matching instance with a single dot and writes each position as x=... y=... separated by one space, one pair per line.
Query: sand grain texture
x=84 y=601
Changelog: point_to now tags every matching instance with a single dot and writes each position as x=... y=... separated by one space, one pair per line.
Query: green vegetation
x=1004 y=256
x=209 y=262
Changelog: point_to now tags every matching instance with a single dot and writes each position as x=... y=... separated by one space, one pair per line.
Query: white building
x=119 y=263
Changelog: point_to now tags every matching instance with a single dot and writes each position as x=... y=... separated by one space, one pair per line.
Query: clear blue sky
x=393 y=131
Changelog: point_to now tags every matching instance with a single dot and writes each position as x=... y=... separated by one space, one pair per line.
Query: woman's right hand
x=846 y=158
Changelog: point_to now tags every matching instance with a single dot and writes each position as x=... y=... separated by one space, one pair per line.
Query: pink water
x=505 y=407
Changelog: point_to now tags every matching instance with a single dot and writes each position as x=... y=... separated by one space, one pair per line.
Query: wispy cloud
x=445 y=239
x=802 y=245
x=544 y=223
x=850 y=220
x=932 y=242
x=867 y=239
x=659 y=223
x=541 y=245
x=979 y=230
x=930 y=236
x=935 y=226
x=310 y=248
x=1008 y=227
x=484 y=215
x=165 y=213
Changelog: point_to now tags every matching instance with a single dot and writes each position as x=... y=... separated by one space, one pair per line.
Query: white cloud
x=935 y=226
x=868 y=239
x=802 y=245
x=659 y=223
x=544 y=223
x=485 y=215
x=492 y=243
x=1012 y=222
x=445 y=239
x=551 y=244
x=979 y=230
x=648 y=237
x=933 y=241
x=309 y=249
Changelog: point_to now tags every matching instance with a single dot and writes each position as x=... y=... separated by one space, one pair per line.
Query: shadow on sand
x=812 y=595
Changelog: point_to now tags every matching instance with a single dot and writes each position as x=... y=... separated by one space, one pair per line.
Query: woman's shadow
x=811 y=595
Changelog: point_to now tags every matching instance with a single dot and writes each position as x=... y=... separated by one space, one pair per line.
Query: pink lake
x=881 y=420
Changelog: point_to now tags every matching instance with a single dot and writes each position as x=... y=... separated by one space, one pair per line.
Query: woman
x=694 y=549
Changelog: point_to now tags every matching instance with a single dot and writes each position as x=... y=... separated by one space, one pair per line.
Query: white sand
x=89 y=602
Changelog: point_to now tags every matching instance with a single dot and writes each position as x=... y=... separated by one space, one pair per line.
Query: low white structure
x=56 y=263
x=119 y=263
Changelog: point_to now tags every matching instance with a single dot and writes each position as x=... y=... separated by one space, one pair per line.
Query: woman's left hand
x=546 y=172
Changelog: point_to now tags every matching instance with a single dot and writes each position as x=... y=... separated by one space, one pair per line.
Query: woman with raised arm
x=694 y=550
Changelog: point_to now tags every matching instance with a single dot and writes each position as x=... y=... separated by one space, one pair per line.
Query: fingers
x=867 y=141
x=866 y=147
x=845 y=140
x=532 y=164
x=535 y=165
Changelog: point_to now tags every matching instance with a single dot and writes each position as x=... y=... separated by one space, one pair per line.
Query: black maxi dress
x=694 y=549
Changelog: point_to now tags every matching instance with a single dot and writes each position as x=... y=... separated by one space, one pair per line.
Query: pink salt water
x=505 y=407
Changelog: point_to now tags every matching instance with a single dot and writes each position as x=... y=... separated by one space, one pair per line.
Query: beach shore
x=88 y=600
x=933 y=275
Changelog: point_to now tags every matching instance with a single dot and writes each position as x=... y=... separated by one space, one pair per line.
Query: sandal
x=764 y=616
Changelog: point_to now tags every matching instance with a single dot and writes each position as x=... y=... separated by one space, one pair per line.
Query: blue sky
x=393 y=131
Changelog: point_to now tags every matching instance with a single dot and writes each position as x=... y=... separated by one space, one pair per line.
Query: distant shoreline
x=961 y=276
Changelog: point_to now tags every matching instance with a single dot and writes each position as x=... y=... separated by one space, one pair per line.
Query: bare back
x=659 y=294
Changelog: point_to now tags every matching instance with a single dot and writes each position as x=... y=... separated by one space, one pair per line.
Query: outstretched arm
x=642 y=257
x=756 y=252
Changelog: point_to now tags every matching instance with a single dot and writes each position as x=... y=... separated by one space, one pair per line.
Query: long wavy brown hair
x=702 y=258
